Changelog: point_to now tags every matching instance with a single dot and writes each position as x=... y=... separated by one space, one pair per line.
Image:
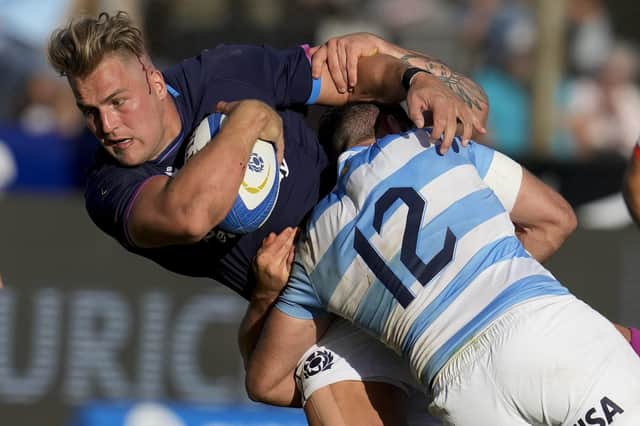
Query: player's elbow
x=572 y=222
x=192 y=226
x=192 y=215
x=559 y=221
x=269 y=384
x=256 y=392
x=259 y=386
x=556 y=232
x=566 y=222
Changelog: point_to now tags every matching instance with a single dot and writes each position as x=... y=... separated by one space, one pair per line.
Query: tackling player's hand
x=272 y=264
x=272 y=122
x=428 y=93
x=341 y=55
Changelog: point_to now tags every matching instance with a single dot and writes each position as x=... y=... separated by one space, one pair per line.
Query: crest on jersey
x=316 y=362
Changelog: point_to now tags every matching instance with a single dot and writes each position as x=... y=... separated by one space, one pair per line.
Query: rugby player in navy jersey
x=139 y=190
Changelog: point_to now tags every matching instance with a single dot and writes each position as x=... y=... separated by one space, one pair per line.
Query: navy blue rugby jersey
x=280 y=78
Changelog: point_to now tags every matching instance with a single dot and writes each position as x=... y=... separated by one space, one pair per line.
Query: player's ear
x=157 y=83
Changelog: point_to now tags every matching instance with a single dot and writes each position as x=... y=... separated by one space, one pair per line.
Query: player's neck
x=366 y=142
x=171 y=123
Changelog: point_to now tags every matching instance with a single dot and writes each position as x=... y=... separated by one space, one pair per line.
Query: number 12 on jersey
x=423 y=272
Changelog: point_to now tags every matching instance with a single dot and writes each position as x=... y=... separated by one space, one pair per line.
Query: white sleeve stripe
x=504 y=177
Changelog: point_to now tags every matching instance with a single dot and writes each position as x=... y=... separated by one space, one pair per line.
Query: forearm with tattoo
x=470 y=93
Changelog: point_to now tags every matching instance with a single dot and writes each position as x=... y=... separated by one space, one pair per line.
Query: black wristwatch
x=408 y=75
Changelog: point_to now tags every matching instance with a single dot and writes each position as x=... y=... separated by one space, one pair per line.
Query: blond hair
x=77 y=49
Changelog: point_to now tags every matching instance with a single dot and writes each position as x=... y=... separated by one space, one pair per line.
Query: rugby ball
x=258 y=192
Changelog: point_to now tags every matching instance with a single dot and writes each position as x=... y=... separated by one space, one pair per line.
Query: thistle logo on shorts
x=316 y=362
x=602 y=415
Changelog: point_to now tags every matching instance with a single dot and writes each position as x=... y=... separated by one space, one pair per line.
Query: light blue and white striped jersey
x=416 y=248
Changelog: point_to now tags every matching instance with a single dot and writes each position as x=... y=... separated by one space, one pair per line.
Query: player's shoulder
x=224 y=59
x=109 y=189
x=106 y=168
x=103 y=167
x=109 y=182
x=220 y=71
x=192 y=66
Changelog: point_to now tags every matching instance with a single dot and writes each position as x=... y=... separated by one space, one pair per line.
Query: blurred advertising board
x=81 y=320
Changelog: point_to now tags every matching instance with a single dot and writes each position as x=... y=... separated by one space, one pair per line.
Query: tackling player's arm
x=543 y=218
x=271 y=366
x=467 y=104
x=270 y=363
x=184 y=208
x=380 y=80
x=543 y=221
x=272 y=266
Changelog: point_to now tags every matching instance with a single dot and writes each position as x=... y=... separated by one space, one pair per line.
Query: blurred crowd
x=43 y=144
x=494 y=41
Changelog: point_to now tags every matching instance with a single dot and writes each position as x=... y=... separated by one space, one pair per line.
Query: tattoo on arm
x=470 y=93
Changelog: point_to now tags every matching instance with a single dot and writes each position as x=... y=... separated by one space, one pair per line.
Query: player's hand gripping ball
x=258 y=192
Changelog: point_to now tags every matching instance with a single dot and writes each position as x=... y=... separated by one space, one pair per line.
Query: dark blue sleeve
x=109 y=194
x=280 y=78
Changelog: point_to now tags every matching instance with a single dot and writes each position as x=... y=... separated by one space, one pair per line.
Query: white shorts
x=552 y=361
x=346 y=352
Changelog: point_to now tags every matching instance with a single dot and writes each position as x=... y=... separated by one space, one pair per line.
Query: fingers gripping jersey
x=416 y=248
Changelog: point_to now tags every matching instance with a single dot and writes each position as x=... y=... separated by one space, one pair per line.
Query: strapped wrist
x=408 y=75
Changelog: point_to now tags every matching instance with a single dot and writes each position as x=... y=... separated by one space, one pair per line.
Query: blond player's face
x=121 y=103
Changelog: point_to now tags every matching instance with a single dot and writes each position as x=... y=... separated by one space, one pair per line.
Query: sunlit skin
x=126 y=106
